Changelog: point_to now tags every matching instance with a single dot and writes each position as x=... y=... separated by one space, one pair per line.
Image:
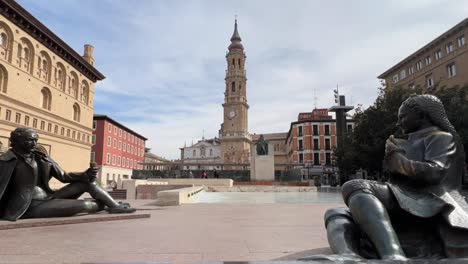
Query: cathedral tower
x=235 y=138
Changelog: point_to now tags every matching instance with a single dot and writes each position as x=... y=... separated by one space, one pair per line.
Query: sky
x=164 y=61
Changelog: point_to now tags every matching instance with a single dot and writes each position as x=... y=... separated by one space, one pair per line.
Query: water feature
x=314 y=197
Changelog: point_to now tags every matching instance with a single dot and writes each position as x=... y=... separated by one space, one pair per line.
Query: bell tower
x=235 y=138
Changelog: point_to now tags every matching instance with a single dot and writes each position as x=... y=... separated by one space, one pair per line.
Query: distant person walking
x=216 y=174
x=204 y=175
x=190 y=174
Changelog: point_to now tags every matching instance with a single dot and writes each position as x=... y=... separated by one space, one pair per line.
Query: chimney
x=88 y=54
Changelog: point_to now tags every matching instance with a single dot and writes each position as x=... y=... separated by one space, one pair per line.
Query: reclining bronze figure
x=25 y=173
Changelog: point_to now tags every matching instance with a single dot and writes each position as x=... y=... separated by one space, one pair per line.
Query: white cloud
x=165 y=60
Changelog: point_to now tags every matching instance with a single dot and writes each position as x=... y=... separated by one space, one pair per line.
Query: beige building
x=46 y=85
x=153 y=161
x=234 y=135
x=443 y=62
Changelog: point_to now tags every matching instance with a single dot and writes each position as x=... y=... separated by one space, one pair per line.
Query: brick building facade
x=116 y=149
x=310 y=142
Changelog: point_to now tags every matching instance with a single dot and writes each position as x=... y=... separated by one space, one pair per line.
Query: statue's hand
x=391 y=146
x=92 y=173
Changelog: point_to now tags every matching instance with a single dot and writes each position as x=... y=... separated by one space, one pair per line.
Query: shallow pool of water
x=269 y=197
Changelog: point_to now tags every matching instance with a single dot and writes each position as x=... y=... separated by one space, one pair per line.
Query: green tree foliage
x=456 y=106
x=364 y=147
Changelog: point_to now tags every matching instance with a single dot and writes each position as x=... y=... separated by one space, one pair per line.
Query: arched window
x=6 y=41
x=211 y=152
x=20 y=51
x=238 y=62
x=194 y=153
x=84 y=92
x=26 y=57
x=202 y=151
x=60 y=76
x=3 y=79
x=233 y=87
x=46 y=98
x=26 y=54
x=73 y=85
x=44 y=68
x=3 y=40
x=76 y=112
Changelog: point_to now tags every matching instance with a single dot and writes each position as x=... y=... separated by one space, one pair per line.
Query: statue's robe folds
x=425 y=183
x=16 y=191
x=425 y=179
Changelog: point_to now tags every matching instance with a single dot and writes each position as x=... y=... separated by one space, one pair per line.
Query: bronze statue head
x=24 y=139
x=431 y=108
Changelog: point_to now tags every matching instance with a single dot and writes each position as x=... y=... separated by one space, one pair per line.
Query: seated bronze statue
x=418 y=212
x=25 y=173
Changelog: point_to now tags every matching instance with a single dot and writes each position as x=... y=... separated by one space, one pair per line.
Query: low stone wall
x=261 y=188
x=151 y=191
x=195 y=182
x=272 y=183
x=131 y=185
x=178 y=196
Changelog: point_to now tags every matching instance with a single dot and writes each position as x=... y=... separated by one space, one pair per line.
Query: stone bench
x=177 y=196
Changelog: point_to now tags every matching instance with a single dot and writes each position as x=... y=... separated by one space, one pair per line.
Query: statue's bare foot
x=394 y=257
x=333 y=257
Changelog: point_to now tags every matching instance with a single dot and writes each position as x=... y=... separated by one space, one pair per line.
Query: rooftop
x=27 y=22
x=428 y=46
x=105 y=117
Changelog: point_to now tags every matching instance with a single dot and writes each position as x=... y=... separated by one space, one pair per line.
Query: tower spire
x=236 y=39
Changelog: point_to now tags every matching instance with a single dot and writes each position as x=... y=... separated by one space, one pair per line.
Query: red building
x=311 y=140
x=116 y=149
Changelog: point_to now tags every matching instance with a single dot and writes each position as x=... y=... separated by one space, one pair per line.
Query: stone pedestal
x=262 y=167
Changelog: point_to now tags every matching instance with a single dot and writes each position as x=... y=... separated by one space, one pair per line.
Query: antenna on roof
x=315 y=98
x=336 y=93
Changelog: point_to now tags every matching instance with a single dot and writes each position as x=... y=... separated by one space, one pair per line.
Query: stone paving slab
x=80 y=219
x=191 y=233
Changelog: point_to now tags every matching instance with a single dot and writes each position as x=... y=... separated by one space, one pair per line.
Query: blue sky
x=164 y=61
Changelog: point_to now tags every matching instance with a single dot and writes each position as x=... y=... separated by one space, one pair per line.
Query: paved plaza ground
x=190 y=233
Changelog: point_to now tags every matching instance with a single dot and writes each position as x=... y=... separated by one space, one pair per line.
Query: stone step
x=120 y=194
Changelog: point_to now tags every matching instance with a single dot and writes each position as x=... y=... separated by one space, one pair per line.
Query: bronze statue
x=262 y=146
x=419 y=212
x=24 y=184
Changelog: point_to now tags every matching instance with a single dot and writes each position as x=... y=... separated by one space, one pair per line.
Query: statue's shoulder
x=439 y=135
x=439 y=139
x=7 y=156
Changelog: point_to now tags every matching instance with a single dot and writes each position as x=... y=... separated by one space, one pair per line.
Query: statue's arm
x=439 y=151
x=67 y=177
